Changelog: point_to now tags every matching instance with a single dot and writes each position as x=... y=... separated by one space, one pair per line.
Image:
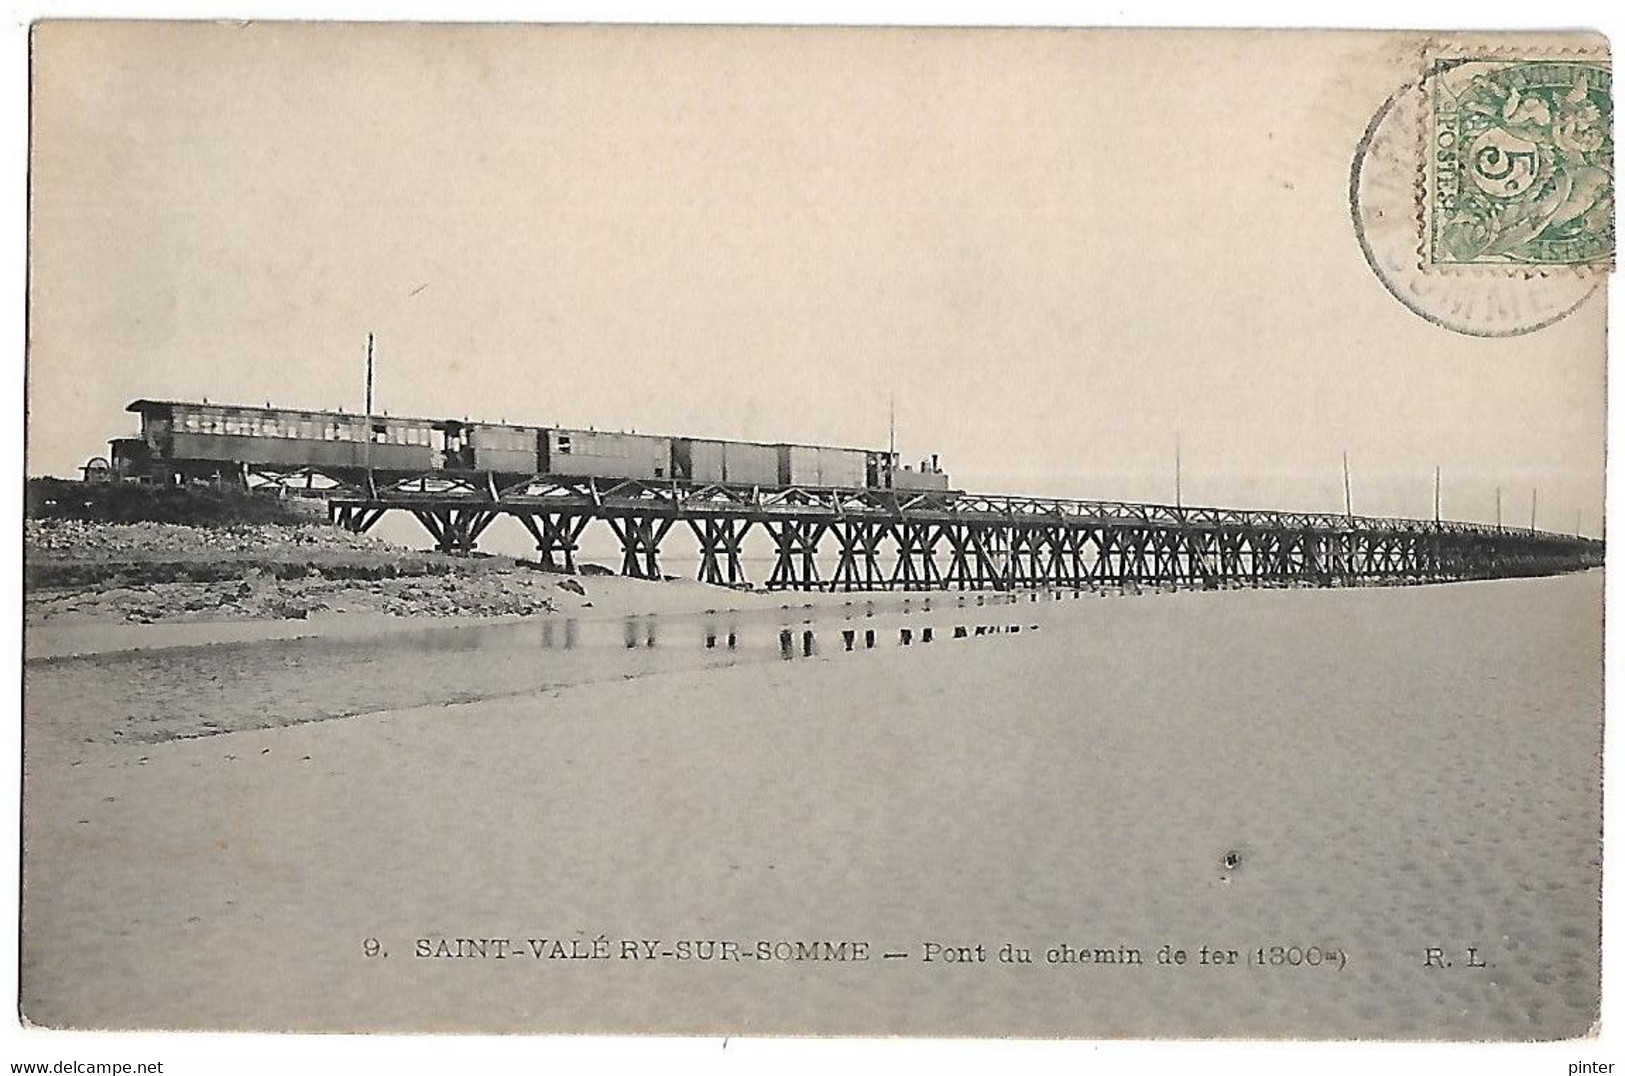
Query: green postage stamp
x=1520 y=163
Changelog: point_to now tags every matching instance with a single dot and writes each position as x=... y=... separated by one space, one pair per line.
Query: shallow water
x=150 y=696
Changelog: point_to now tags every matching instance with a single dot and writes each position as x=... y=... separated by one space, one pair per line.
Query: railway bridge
x=836 y=539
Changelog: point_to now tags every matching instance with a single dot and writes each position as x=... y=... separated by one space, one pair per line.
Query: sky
x=1062 y=253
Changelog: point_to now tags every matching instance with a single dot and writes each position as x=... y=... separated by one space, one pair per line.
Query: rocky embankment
x=146 y=572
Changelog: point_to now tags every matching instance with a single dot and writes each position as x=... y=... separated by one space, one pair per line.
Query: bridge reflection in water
x=849 y=540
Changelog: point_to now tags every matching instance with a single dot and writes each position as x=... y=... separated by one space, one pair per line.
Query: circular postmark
x=1384 y=199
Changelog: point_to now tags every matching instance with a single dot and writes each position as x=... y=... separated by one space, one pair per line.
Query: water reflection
x=645 y=642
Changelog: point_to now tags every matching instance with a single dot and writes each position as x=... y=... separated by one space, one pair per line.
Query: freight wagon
x=844 y=468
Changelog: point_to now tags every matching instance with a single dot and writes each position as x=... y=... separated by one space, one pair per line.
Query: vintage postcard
x=815 y=531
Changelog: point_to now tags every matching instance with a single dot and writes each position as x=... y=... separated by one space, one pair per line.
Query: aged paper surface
x=1146 y=766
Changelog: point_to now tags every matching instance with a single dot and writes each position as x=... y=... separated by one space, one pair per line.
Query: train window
x=564 y=444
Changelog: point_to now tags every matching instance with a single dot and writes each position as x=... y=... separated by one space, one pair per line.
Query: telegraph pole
x=891 y=425
x=1348 y=490
x=366 y=429
x=1179 y=493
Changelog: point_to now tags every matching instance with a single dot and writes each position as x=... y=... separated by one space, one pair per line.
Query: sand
x=1396 y=769
x=597 y=598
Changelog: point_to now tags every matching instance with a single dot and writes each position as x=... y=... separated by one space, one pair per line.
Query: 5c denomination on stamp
x=1519 y=169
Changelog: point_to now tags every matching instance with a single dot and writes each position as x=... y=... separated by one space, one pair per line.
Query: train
x=183 y=441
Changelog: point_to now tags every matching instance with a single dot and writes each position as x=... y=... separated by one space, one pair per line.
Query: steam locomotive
x=183 y=441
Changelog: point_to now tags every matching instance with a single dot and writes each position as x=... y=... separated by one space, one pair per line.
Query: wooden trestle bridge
x=827 y=539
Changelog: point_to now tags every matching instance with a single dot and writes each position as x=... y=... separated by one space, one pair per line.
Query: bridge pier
x=857 y=567
x=354 y=518
x=795 y=543
x=720 y=538
x=959 y=575
x=557 y=536
x=456 y=529
x=994 y=545
x=916 y=567
x=640 y=543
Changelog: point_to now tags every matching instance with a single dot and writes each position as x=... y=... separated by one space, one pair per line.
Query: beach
x=270 y=832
